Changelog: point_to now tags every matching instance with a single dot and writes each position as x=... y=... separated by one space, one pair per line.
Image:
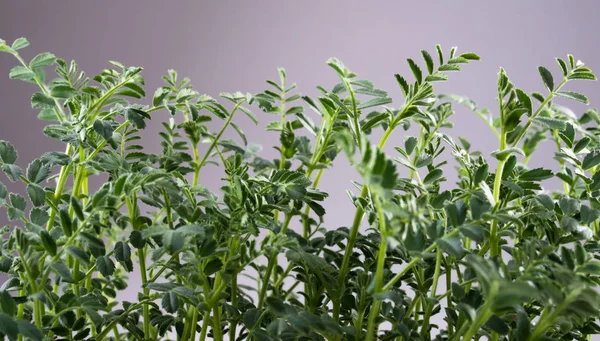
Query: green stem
x=436 y=277
x=414 y=261
x=356 y=224
x=373 y=326
x=217 y=138
x=538 y=111
x=271 y=264
x=234 y=303
x=546 y=322
x=494 y=242
x=483 y=315
x=112 y=325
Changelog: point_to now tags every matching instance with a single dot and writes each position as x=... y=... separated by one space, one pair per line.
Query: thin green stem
x=217 y=138
x=373 y=326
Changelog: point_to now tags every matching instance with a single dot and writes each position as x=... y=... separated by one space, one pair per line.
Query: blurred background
x=237 y=45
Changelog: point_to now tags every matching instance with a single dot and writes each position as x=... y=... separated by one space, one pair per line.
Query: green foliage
x=429 y=254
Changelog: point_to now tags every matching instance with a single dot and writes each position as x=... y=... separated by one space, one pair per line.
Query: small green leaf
x=36 y=194
x=537 y=174
x=41 y=101
x=433 y=176
x=48 y=242
x=8 y=154
x=574 y=96
x=452 y=246
x=275 y=305
x=547 y=78
x=170 y=302
x=551 y=123
x=63 y=91
x=504 y=154
x=7 y=303
x=105 y=265
x=37 y=171
x=42 y=59
x=29 y=331
x=19 y=43
x=591 y=159
x=8 y=327
x=78 y=253
x=122 y=252
x=173 y=241
x=21 y=73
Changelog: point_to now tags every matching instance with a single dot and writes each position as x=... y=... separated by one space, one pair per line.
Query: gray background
x=236 y=45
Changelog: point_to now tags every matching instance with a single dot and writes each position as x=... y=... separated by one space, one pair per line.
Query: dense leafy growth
x=493 y=257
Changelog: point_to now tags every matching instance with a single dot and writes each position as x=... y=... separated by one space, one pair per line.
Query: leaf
x=41 y=101
x=415 y=70
x=251 y=317
x=48 y=242
x=13 y=172
x=525 y=100
x=8 y=154
x=7 y=303
x=42 y=59
x=29 y=331
x=452 y=246
x=63 y=91
x=103 y=128
x=582 y=75
x=19 y=43
x=433 y=176
x=409 y=144
x=173 y=241
x=159 y=96
x=78 y=253
x=213 y=267
x=137 y=117
x=21 y=73
x=551 y=123
x=504 y=154
x=8 y=326
x=37 y=171
x=36 y=194
x=374 y=102
x=591 y=159
x=474 y=232
x=122 y=252
x=547 y=78
x=428 y=61
x=498 y=325
x=63 y=271
x=574 y=96
x=170 y=302
x=275 y=305
x=537 y=174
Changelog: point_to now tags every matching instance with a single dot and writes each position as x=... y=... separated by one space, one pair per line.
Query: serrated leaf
x=591 y=159
x=36 y=194
x=170 y=302
x=19 y=43
x=547 y=78
x=21 y=73
x=37 y=171
x=452 y=246
x=42 y=59
x=574 y=96
x=63 y=91
x=8 y=154
x=41 y=101
x=78 y=253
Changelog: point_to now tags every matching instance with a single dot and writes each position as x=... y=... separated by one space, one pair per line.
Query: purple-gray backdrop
x=236 y=45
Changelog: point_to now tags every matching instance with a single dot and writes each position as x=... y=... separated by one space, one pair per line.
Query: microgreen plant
x=479 y=253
